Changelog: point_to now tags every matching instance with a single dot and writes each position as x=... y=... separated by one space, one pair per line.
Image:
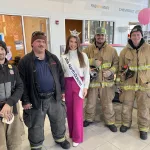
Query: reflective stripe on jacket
x=109 y=57
x=138 y=61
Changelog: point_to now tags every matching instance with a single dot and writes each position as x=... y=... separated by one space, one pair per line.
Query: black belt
x=46 y=95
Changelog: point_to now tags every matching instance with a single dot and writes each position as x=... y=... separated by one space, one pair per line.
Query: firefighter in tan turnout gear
x=105 y=59
x=134 y=72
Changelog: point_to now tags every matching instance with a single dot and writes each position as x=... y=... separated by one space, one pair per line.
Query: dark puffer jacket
x=11 y=86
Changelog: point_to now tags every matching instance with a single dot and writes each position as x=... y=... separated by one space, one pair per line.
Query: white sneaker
x=75 y=144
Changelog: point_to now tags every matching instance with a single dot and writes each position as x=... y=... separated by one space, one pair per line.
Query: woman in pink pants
x=77 y=71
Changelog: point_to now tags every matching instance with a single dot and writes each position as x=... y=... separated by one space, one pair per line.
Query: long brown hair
x=79 y=53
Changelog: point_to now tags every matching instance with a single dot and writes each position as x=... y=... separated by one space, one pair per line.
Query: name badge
x=11 y=72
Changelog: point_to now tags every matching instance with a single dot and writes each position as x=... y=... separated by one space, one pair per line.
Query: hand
x=6 y=111
x=8 y=118
x=107 y=73
x=1 y=115
x=84 y=92
x=63 y=97
x=98 y=63
x=27 y=106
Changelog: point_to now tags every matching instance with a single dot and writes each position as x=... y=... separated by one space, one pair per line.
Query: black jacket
x=11 y=86
x=28 y=74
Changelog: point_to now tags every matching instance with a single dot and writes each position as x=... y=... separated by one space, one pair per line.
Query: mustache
x=41 y=46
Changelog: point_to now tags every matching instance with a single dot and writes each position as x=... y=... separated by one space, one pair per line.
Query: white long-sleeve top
x=82 y=72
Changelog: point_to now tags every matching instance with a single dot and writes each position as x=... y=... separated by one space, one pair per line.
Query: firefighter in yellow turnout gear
x=105 y=58
x=136 y=56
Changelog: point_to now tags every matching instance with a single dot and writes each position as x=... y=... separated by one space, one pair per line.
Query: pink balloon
x=144 y=16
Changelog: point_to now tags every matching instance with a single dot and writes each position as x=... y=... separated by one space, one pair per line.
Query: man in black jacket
x=43 y=79
x=11 y=89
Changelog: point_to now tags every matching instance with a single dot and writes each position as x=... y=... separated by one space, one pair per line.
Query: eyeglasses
x=37 y=33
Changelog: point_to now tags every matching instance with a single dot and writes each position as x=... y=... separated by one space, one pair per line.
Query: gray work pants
x=34 y=120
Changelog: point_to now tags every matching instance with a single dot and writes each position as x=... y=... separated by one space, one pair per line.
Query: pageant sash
x=75 y=76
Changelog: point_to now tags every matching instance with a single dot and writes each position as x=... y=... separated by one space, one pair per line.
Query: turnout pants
x=106 y=96
x=10 y=135
x=143 y=108
x=74 y=110
x=34 y=120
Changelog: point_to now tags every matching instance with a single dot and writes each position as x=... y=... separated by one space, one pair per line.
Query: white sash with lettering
x=75 y=76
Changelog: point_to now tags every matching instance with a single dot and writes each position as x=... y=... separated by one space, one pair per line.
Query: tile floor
x=98 y=137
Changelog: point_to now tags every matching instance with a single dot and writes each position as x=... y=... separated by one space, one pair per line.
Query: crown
x=74 y=33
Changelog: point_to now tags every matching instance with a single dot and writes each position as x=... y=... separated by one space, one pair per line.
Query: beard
x=2 y=57
x=99 y=42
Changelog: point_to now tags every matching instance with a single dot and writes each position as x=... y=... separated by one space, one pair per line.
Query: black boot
x=86 y=123
x=65 y=144
x=112 y=127
x=143 y=135
x=124 y=128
